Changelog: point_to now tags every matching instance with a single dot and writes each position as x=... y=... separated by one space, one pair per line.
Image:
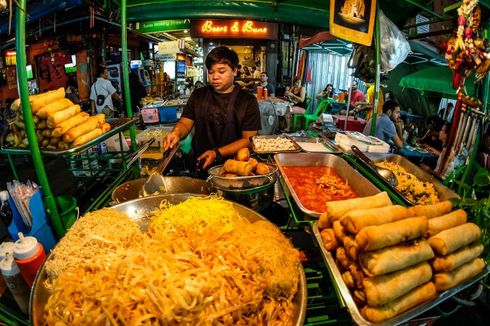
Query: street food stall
x=294 y=230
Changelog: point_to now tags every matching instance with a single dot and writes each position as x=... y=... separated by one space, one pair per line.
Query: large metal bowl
x=140 y=211
x=175 y=185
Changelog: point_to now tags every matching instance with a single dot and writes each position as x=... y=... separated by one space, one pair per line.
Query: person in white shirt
x=101 y=94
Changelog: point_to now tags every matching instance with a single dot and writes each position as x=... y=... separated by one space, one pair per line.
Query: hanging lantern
x=3 y=5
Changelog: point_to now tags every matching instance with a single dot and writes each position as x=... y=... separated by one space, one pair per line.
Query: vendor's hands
x=208 y=157
x=170 y=140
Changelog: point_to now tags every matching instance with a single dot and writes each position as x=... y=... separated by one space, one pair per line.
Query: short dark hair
x=389 y=105
x=100 y=70
x=224 y=55
x=450 y=104
x=265 y=73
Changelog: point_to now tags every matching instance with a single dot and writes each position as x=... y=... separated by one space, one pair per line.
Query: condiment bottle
x=266 y=94
x=5 y=248
x=15 y=282
x=29 y=255
x=5 y=210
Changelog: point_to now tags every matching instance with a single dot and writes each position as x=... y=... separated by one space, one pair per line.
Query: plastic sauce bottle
x=5 y=248
x=29 y=255
x=5 y=210
x=15 y=282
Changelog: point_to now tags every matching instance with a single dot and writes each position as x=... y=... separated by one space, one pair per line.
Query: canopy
x=436 y=79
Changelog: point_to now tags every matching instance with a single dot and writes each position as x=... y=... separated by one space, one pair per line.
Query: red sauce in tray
x=315 y=185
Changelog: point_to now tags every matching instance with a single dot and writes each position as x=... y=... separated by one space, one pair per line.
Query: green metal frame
x=20 y=44
x=377 y=44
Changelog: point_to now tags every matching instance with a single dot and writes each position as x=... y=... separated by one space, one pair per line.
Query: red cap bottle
x=29 y=255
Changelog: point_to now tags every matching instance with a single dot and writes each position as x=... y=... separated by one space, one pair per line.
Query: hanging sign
x=10 y=58
x=156 y=26
x=353 y=20
x=249 y=29
x=170 y=47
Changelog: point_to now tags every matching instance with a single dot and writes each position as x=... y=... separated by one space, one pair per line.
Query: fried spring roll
x=431 y=211
x=413 y=298
x=380 y=290
x=450 y=240
x=329 y=240
x=444 y=281
x=386 y=235
x=444 y=222
x=457 y=258
x=355 y=220
x=335 y=209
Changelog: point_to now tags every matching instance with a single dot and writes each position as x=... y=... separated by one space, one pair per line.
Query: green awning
x=436 y=79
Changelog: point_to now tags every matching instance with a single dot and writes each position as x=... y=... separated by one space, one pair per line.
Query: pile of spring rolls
x=393 y=258
x=60 y=124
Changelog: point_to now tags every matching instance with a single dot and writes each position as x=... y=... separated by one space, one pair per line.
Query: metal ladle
x=385 y=173
x=156 y=184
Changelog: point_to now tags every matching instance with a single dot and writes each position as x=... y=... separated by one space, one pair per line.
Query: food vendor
x=224 y=116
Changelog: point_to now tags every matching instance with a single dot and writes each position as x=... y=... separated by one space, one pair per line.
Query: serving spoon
x=156 y=184
x=385 y=173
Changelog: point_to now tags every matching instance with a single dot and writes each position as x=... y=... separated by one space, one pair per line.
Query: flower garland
x=466 y=51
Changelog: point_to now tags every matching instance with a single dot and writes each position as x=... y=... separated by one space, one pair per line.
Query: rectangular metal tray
x=117 y=126
x=402 y=318
x=295 y=150
x=362 y=186
x=444 y=192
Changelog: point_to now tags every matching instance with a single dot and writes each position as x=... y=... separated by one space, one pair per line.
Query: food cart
x=328 y=299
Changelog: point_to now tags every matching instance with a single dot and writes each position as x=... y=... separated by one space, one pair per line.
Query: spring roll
x=243 y=154
x=451 y=279
x=70 y=123
x=86 y=138
x=335 y=209
x=457 y=258
x=381 y=236
x=351 y=248
x=339 y=232
x=238 y=167
x=444 y=222
x=380 y=290
x=450 y=240
x=355 y=220
x=348 y=280
x=329 y=241
x=53 y=107
x=58 y=117
x=323 y=221
x=434 y=210
x=40 y=100
x=82 y=129
x=395 y=258
x=343 y=260
x=413 y=298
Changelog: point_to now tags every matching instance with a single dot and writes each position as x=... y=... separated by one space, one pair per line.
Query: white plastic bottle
x=15 y=282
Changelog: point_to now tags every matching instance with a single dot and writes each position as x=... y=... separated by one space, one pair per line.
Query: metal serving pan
x=348 y=301
x=362 y=186
x=444 y=192
x=245 y=182
x=296 y=148
x=175 y=185
x=140 y=211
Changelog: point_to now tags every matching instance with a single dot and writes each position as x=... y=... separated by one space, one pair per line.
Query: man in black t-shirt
x=223 y=115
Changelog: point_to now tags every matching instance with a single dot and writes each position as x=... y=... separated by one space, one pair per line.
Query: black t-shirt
x=208 y=110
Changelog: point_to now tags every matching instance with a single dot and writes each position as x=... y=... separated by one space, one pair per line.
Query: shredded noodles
x=236 y=273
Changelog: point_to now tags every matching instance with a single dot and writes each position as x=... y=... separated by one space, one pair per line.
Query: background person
x=297 y=95
x=327 y=92
x=385 y=124
x=356 y=95
x=101 y=94
x=224 y=116
x=264 y=83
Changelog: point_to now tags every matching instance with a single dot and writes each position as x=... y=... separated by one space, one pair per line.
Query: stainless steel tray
x=443 y=191
x=362 y=186
x=348 y=301
x=245 y=182
x=295 y=150
x=140 y=210
x=117 y=125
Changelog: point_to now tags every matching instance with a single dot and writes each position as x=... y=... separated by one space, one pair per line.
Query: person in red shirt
x=356 y=95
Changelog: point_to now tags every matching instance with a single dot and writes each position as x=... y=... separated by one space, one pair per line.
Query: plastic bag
x=394 y=46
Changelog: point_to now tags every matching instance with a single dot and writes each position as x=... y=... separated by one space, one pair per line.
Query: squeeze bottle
x=29 y=255
x=15 y=282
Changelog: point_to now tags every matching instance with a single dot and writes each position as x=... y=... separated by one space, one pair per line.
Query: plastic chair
x=311 y=117
x=309 y=102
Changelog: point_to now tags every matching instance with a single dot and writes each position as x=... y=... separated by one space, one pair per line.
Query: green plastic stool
x=309 y=118
x=67 y=206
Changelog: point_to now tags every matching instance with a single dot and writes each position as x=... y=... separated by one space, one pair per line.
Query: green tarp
x=436 y=79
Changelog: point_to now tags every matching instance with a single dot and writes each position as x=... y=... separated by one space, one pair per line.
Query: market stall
x=350 y=246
